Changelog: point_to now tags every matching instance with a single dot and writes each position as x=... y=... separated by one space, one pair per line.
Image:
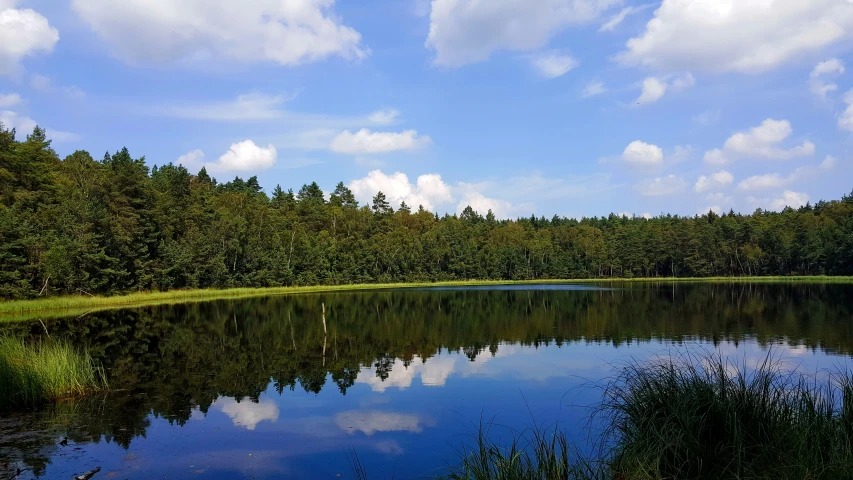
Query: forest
x=82 y=226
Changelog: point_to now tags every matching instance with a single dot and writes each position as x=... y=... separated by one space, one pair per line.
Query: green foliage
x=112 y=226
x=48 y=371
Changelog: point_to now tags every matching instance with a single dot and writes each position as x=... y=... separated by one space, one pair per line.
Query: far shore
x=51 y=307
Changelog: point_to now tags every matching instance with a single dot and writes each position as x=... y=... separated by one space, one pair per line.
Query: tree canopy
x=82 y=225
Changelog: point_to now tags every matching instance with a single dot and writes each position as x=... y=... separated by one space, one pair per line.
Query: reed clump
x=692 y=418
x=50 y=370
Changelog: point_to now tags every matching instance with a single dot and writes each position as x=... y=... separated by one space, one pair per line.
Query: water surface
x=264 y=388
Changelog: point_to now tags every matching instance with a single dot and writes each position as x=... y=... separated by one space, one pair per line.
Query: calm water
x=259 y=389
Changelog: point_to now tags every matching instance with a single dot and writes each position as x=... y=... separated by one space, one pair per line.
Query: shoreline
x=18 y=310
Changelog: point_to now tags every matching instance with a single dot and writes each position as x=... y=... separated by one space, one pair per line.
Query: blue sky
x=569 y=107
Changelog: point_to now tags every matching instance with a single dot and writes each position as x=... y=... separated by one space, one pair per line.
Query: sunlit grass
x=75 y=305
x=52 y=370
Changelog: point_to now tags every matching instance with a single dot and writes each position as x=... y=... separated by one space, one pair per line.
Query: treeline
x=80 y=225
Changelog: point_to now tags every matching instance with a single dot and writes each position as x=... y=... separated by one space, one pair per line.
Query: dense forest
x=80 y=225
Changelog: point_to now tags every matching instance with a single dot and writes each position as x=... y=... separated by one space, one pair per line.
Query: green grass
x=696 y=418
x=75 y=305
x=52 y=370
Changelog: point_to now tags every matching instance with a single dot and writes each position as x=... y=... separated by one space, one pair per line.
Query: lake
x=291 y=386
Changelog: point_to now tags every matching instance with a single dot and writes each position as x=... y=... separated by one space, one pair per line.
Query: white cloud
x=384 y=117
x=372 y=422
x=845 y=121
x=620 y=17
x=23 y=33
x=714 y=181
x=61 y=137
x=482 y=204
x=246 y=155
x=242 y=156
x=469 y=31
x=553 y=64
x=724 y=36
x=647 y=215
x=764 y=182
x=828 y=163
x=719 y=198
x=165 y=31
x=661 y=186
x=592 y=89
x=246 y=413
x=193 y=159
x=760 y=142
x=831 y=67
x=9 y=100
x=642 y=154
x=790 y=199
x=429 y=190
x=654 y=88
x=774 y=180
x=23 y=124
x=365 y=142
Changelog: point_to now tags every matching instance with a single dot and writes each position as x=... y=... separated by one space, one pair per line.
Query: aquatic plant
x=692 y=418
x=32 y=373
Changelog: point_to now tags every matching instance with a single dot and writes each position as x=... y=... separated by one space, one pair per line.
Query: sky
x=568 y=107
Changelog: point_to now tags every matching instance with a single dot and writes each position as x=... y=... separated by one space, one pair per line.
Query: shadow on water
x=167 y=361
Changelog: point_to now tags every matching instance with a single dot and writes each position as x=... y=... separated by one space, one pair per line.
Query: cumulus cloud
x=242 y=156
x=246 y=155
x=723 y=35
x=760 y=142
x=365 y=142
x=23 y=33
x=828 y=163
x=661 y=186
x=642 y=154
x=247 y=414
x=714 y=181
x=611 y=24
x=553 y=64
x=826 y=69
x=469 y=31
x=592 y=89
x=845 y=121
x=429 y=190
x=787 y=199
x=654 y=88
x=164 y=31
x=371 y=422
x=9 y=100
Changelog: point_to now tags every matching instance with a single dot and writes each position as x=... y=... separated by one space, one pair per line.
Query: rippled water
x=261 y=388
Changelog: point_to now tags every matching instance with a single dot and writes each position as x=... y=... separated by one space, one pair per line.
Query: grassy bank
x=693 y=420
x=51 y=370
x=75 y=305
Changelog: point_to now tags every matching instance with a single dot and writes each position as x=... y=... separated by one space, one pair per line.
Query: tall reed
x=32 y=373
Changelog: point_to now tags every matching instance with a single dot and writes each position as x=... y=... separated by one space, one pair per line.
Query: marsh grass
x=700 y=417
x=690 y=418
x=52 y=370
x=18 y=310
